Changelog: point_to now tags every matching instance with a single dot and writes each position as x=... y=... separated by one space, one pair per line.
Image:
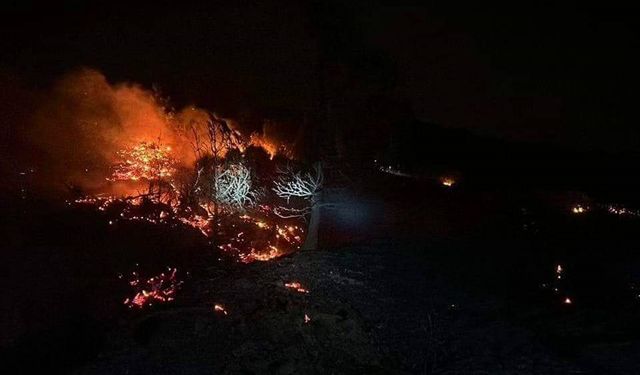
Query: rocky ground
x=448 y=284
x=381 y=308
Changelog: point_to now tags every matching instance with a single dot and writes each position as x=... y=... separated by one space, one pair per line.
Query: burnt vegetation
x=317 y=187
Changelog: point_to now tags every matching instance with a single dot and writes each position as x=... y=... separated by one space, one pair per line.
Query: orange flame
x=145 y=161
x=260 y=141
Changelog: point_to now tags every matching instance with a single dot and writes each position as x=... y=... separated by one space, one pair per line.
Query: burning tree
x=303 y=190
x=211 y=138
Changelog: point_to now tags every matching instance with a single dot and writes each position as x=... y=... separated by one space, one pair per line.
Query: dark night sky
x=559 y=75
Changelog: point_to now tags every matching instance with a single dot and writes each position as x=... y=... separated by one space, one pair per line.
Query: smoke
x=73 y=131
x=84 y=121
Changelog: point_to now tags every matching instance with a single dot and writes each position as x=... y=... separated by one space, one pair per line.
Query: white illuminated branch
x=305 y=186
x=233 y=187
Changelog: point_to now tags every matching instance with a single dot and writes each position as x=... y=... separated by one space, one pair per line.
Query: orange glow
x=260 y=141
x=271 y=252
x=199 y=222
x=102 y=118
x=270 y=143
x=146 y=161
x=119 y=127
x=448 y=181
x=289 y=234
x=259 y=223
x=259 y=239
x=578 y=209
x=160 y=288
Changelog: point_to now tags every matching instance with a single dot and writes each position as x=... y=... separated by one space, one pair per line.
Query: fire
x=270 y=142
x=178 y=173
x=296 y=286
x=259 y=141
x=245 y=237
x=288 y=234
x=271 y=252
x=260 y=238
x=448 y=181
x=579 y=209
x=160 y=288
x=307 y=319
x=198 y=222
x=146 y=161
x=101 y=202
x=568 y=301
x=257 y=222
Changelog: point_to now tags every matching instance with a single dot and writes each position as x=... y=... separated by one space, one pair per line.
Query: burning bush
x=217 y=187
x=149 y=161
x=209 y=197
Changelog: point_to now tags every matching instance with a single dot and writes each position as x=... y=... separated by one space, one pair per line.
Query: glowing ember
x=448 y=182
x=258 y=239
x=578 y=209
x=259 y=223
x=296 y=286
x=263 y=256
x=568 y=301
x=101 y=202
x=146 y=161
x=306 y=319
x=289 y=234
x=220 y=309
x=161 y=288
x=245 y=237
x=199 y=222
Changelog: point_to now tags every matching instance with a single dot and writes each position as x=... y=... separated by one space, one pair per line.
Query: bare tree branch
x=233 y=187
x=296 y=184
x=291 y=184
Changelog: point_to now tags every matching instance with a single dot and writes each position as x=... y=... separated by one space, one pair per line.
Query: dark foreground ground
x=413 y=278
